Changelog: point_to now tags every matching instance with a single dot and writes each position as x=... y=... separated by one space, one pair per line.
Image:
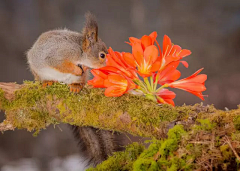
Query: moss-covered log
x=203 y=137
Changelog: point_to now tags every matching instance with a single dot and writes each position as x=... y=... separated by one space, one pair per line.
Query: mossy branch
x=203 y=129
x=32 y=107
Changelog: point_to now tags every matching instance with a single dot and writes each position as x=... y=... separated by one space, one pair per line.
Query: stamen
x=170 y=50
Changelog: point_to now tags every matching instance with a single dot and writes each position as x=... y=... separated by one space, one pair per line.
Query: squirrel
x=65 y=56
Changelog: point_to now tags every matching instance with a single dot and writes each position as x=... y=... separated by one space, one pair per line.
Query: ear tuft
x=90 y=31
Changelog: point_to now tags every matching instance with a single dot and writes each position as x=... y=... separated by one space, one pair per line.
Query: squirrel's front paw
x=76 y=87
x=47 y=83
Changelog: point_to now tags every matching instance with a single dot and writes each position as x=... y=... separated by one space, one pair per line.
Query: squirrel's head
x=94 y=49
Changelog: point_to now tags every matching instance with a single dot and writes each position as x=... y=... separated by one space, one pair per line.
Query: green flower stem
x=156 y=82
x=142 y=85
x=163 y=86
x=143 y=89
x=151 y=81
x=148 y=84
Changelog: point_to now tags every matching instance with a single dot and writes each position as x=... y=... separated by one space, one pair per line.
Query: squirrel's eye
x=102 y=55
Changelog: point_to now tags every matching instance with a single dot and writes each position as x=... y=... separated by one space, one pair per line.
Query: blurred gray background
x=209 y=28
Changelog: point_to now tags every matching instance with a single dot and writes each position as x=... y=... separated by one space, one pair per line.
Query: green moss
x=3 y=101
x=121 y=160
x=32 y=109
x=145 y=165
x=226 y=152
x=205 y=124
x=158 y=156
x=90 y=107
x=236 y=136
x=237 y=123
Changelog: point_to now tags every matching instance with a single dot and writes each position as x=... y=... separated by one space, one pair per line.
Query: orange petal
x=168 y=69
x=184 y=63
x=173 y=75
x=170 y=58
x=118 y=80
x=129 y=43
x=109 y=69
x=153 y=36
x=151 y=54
x=114 y=56
x=156 y=66
x=129 y=59
x=107 y=83
x=194 y=74
x=137 y=52
x=167 y=45
x=134 y=40
x=110 y=61
x=145 y=74
x=146 y=41
x=97 y=82
x=168 y=78
x=166 y=94
x=184 y=53
x=199 y=78
x=198 y=87
x=120 y=57
x=114 y=91
x=198 y=94
x=175 y=50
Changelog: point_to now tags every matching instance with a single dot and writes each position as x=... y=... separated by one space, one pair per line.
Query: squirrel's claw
x=76 y=87
x=47 y=83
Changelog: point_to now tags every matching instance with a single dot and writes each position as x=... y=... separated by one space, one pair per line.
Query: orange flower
x=117 y=85
x=145 y=60
x=165 y=96
x=169 y=73
x=98 y=80
x=116 y=63
x=145 y=41
x=193 y=84
x=117 y=76
x=172 y=53
x=120 y=75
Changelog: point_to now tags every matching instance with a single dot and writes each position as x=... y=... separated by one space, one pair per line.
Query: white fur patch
x=54 y=75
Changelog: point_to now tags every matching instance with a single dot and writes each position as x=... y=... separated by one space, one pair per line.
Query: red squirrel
x=65 y=56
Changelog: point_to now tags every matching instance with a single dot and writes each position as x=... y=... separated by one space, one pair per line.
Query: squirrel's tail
x=96 y=145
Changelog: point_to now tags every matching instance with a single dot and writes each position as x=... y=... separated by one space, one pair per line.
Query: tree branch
x=199 y=142
x=32 y=107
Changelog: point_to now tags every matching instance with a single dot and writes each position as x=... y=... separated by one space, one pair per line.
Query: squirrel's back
x=54 y=46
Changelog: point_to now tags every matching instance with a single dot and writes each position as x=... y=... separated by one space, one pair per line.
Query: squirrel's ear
x=90 y=31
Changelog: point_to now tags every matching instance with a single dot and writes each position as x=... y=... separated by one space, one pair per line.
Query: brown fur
x=63 y=51
x=69 y=67
x=54 y=47
x=96 y=145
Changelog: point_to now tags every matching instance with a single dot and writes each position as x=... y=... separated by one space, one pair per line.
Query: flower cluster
x=148 y=71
